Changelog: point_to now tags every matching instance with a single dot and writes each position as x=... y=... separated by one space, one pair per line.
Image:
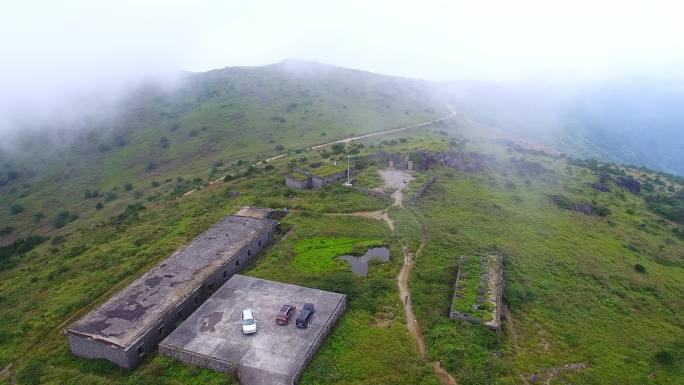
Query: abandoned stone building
x=133 y=322
x=316 y=177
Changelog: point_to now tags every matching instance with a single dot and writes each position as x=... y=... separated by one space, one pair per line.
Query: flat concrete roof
x=276 y=353
x=132 y=311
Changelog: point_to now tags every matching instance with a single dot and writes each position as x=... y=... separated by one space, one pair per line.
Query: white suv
x=248 y=322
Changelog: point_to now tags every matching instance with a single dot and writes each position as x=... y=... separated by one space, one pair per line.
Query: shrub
x=227 y=178
x=151 y=166
x=6 y=230
x=193 y=133
x=16 y=209
x=164 y=142
x=38 y=216
x=63 y=218
x=337 y=148
x=103 y=147
x=110 y=196
x=155 y=183
x=665 y=358
x=280 y=147
x=639 y=268
x=128 y=187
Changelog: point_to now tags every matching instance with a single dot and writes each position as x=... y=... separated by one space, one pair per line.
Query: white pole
x=348 y=171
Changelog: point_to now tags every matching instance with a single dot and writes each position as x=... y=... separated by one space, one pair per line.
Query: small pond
x=359 y=265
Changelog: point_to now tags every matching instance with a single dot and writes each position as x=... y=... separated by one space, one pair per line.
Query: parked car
x=249 y=325
x=284 y=314
x=306 y=316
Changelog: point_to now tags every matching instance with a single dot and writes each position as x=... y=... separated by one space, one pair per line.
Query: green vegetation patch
x=470 y=285
x=327 y=169
x=299 y=176
x=321 y=253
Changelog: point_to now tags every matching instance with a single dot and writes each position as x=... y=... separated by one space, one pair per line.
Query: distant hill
x=633 y=121
x=208 y=125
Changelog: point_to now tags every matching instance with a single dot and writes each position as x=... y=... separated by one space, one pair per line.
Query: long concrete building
x=133 y=322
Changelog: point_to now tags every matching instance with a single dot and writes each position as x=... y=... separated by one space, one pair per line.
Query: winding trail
x=398 y=180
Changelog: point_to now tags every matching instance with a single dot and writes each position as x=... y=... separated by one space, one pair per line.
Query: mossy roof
x=329 y=169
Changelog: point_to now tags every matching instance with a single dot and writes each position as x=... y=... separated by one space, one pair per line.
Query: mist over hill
x=638 y=120
x=200 y=127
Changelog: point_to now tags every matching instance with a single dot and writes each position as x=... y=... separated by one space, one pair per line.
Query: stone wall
x=498 y=286
x=197 y=359
x=421 y=191
x=298 y=184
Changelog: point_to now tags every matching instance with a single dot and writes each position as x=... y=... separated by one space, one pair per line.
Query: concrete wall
x=314 y=347
x=148 y=342
x=83 y=346
x=297 y=184
x=197 y=359
x=318 y=182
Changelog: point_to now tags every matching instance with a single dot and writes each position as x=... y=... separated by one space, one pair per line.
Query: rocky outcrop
x=630 y=184
x=528 y=168
x=467 y=161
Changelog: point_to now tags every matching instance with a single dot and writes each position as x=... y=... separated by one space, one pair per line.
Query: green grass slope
x=573 y=288
x=208 y=125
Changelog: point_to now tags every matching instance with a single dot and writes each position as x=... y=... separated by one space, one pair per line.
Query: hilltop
x=592 y=251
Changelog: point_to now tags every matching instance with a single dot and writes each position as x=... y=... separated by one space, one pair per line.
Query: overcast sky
x=52 y=49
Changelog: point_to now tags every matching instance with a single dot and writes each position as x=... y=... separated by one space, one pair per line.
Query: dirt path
x=451 y=114
x=399 y=180
x=411 y=322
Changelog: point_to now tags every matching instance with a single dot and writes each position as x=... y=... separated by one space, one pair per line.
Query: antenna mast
x=348 y=184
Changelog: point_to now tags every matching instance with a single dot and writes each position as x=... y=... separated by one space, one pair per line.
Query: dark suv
x=286 y=312
x=306 y=316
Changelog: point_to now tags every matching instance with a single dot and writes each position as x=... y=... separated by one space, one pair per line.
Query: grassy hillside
x=594 y=269
x=602 y=293
x=209 y=125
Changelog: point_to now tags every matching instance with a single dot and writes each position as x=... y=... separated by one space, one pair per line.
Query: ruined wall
x=421 y=191
x=297 y=184
x=320 y=182
x=495 y=290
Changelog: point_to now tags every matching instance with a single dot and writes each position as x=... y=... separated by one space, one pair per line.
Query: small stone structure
x=275 y=354
x=487 y=304
x=131 y=323
x=316 y=178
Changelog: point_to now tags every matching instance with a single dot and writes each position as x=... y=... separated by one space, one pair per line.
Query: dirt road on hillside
x=450 y=115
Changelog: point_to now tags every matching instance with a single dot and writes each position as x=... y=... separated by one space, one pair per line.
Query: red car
x=286 y=312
